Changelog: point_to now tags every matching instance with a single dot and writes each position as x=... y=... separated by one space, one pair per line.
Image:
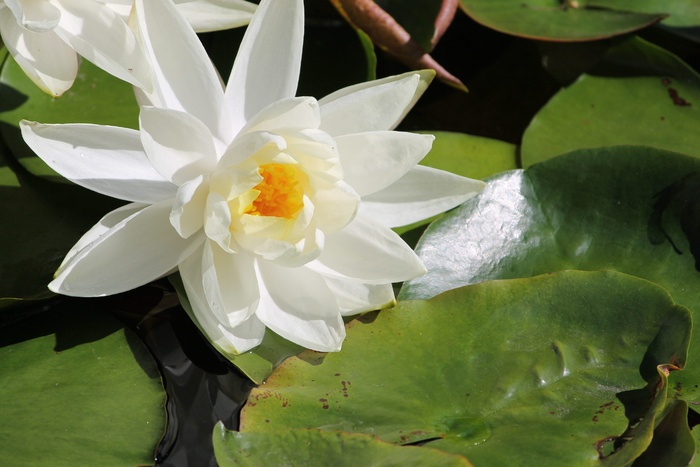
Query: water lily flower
x=43 y=36
x=203 y=15
x=276 y=210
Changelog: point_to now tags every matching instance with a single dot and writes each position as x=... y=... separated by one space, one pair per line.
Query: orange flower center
x=281 y=192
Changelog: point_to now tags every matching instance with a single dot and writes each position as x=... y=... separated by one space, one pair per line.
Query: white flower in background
x=275 y=209
x=203 y=15
x=43 y=36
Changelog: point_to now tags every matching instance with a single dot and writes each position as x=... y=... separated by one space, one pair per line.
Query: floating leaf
x=312 y=448
x=490 y=371
x=565 y=20
x=77 y=389
x=682 y=13
x=591 y=209
x=640 y=94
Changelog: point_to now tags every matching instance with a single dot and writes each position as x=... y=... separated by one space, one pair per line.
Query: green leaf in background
x=591 y=209
x=682 y=13
x=96 y=97
x=313 y=448
x=640 y=94
x=555 y=20
x=77 y=389
x=538 y=367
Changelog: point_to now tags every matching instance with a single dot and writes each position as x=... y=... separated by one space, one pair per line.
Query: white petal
x=290 y=113
x=297 y=304
x=99 y=229
x=374 y=105
x=137 y=250
x=36 y=16
x=229 y=341
x=249 y=144
x=187 y=215
x=105 y=159
x=354 y=297
x=50 y=63
x=267 y=65
x=374 y=160
x=216 y=15
x=101 y=36
x=421 y=193
x=230 y=284
x=369 y=252
x=196 y=88
x=179 y=146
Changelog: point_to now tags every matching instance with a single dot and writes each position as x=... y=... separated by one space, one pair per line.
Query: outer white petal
x=374 y=105
x=105 y=159
x=195 y=89
x=215 y=15
x=297 y=304
x=47 y=60
x=179 y=146
x=99 y=229
x=267 y=65
x=101 y=36
x=369 y=252
x=230 y=341
x=230 y=284
x=354 y=297
x=421 y=193
x=374 y=160
x=137 y=250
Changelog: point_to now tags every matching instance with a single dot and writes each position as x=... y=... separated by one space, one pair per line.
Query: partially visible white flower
x=203 y=15
x=43 y=36
x=277 y=210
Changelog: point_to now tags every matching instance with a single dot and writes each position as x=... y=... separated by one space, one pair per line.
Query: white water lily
x=203 y=15
x=277 y=210
x=45 y=36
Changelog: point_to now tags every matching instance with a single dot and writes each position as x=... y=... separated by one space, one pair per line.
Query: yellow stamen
x=281 y=192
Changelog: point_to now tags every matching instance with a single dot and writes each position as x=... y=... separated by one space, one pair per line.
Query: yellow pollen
x=281 y=192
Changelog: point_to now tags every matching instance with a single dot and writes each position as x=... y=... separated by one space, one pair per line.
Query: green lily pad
x=640 y=94
x=96 y=97
x=673 y=443
x=314 y=448
x=629 y=209
x=682 y=13
x=77 y=389
x=470 y=156
x=538 y=366
x=556 y=20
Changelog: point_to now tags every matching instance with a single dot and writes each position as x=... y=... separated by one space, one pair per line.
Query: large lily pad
x=545 y=366
x=682 y=13
x=314 y=448
x=629 y=209
x=556 y=20
x=640 y=94
x=77 y=389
